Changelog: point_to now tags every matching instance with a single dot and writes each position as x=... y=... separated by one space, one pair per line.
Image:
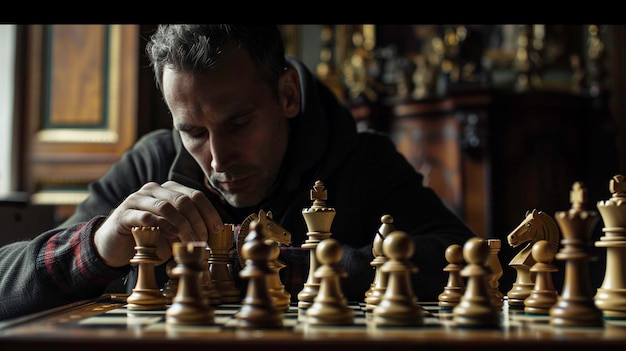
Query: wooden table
x=104 y=324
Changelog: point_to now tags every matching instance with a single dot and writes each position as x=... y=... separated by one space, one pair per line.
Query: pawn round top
x=542 y=252
x=386 y=219
x=254 y=247
x=476 y=251
x=329 y=251
x=398 y=245
x=454 y=253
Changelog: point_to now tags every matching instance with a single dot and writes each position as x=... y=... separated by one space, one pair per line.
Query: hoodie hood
x=313 y=134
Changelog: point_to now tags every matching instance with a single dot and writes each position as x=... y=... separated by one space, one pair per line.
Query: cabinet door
x=79 y=106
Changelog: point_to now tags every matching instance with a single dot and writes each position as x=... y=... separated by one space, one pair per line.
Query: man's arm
x=55 y=268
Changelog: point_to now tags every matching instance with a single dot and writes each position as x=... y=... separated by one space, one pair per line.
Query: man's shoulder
x=160 y=139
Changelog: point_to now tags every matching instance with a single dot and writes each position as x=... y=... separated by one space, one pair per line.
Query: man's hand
x=181 y=213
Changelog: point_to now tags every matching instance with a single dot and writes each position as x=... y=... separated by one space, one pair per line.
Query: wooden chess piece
x=146 y=295
x=610 y=297
x=171 y=286
x=399 y=306
x=476 y=310
x=258 y=309
x=221 y=254
x=318 y=219
x=537 y=225
x=455 y=287
x=575 y=307
x=281 y=297
x=496 y=271
x=379 y=285
x=209 y=289
x=189 y=306
x=329 y=307
x=544 y=294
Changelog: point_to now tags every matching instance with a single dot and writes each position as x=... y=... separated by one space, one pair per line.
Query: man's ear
x=289 y=92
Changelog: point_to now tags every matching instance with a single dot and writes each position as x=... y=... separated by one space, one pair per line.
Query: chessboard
x=107 y=323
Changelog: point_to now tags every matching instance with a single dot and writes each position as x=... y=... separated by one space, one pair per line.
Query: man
x=252 y=130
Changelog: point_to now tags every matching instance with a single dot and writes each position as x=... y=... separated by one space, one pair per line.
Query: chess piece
x=378 y=286
x=610 y=297
x=476 y=310
x=496 y=272
x=575 y=307
x=170 y=287
x=146 y=295
x=221 y=254
x=329 y=307
x=399 y=306
x=258 y=309
x=189 y=306
x=272 y=230
x=209 y=289
x=281 y=297
x=544 y=294
x=318 y=219
x=537 y=225
x=455 y=287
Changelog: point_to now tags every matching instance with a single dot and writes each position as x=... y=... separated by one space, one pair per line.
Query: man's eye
x=241 y=121
x=196 y=133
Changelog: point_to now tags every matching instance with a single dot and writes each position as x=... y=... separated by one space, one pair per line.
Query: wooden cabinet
x=494 y=155
x=77 y=103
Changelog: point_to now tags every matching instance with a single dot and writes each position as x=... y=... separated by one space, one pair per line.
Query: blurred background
x=500 y=119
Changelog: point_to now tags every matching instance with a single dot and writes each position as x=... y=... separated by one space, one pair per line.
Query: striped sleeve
x=70 y=260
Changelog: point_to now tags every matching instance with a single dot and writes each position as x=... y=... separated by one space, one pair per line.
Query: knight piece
x=611 y=296
x=537 y=225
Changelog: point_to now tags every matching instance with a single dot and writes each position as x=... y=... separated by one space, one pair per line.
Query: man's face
x=233 y=126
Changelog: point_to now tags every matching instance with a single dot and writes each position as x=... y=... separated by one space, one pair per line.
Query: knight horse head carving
x=537 y=225
x=270 y=229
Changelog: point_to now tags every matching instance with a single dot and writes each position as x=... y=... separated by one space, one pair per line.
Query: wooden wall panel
x=80 y=105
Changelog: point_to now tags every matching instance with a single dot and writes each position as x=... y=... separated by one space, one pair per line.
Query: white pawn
x=476 y=308
x=329 y=307
x=399 y=306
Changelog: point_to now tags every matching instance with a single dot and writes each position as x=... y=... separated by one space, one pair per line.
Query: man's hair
x=197 y=48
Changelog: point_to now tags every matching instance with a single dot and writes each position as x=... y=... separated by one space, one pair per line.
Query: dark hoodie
x=364 y=175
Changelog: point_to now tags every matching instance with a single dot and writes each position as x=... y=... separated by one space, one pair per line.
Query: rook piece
x=475 y=308
x=575 y=306
x=209 y=289
x=190 y=306
x=329 y=307
x=319 y=219
x=399 y=306
x=455 y=287
x=258 y=309
x=221 y=254
x=146 y=295
x=537 y=225
x=544 y=295
x=610 y=298
x=377 y=290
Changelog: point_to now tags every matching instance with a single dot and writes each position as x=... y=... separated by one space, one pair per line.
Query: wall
x=7 y=64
